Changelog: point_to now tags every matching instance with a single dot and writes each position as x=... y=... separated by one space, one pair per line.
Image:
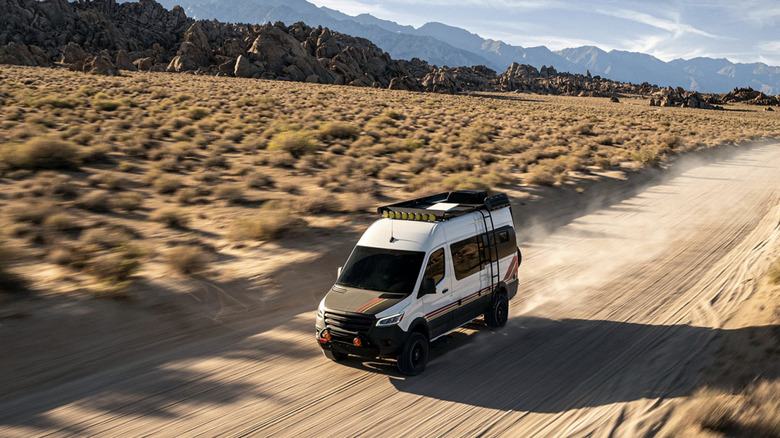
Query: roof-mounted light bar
x=457 y=204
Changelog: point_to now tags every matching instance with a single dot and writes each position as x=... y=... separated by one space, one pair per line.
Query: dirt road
x=614 y=319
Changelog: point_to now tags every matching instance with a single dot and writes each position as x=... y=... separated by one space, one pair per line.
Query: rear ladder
x=490 y=245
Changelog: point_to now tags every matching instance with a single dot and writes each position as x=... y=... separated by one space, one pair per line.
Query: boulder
x=144 y=64
x=22 y=54
x=124 y=62
x=404 y=83
x=100 y=65
x=245 y=69
x=73 y=54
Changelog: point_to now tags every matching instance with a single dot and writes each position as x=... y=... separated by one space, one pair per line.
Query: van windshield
x=383 y=270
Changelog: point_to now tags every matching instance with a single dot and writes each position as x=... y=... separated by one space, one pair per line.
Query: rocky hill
x=104 y=37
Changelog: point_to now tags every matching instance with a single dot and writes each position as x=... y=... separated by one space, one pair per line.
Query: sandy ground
x=616 y=315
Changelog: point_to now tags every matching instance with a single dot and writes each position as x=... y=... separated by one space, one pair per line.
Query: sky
x=740 y=31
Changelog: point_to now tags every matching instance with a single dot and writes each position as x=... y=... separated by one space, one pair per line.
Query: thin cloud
x=673 y=26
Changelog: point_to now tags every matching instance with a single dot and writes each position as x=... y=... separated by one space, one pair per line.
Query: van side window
x=505 y=243
x=435 y=267
x=465 y=257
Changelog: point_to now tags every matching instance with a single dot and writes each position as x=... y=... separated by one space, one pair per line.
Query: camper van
x=426 y=267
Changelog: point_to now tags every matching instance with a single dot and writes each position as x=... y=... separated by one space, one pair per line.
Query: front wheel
x=414 y=355
x=498 y=314
x=335 y=356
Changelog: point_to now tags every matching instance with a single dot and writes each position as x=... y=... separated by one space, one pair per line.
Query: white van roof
x=406 y=235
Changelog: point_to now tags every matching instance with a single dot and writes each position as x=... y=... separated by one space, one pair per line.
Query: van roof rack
x=443 y=206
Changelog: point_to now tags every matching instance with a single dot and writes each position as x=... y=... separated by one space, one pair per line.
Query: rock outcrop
x=104 y=37
x=682 y=98
x=749 y=96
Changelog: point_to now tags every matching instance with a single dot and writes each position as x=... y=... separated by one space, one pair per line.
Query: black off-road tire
x=414 y=356
x=335 y=356
x=498 y=314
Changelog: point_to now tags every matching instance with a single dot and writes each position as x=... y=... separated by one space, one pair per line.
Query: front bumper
x=385 y=342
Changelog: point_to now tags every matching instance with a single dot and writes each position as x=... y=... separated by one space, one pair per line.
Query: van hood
x=347 y=299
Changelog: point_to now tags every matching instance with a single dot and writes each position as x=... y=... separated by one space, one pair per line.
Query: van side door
x=437 y=308
x=467 y=280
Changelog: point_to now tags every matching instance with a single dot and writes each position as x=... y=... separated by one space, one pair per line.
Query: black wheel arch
x=420 y=325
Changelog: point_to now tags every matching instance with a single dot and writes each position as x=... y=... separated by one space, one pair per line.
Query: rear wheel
x=414 y=355
x=335 y=356
x=498 y=314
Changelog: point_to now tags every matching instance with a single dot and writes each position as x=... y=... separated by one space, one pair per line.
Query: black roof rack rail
x=466 y=201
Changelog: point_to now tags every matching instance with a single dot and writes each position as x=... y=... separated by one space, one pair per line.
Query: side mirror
x=338 y=273
x=428 y=287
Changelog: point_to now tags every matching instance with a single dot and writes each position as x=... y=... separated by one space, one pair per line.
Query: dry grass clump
x=753 y=412
x=271 y=222
x=233 y=194
x=296 y=143
x=98 y=201
x=167 y=184
x=41 y=153
x=33 y=211
x=127 y=201
x=338 y=130
x=188 y=259
x=116 y=266
x=171 y=217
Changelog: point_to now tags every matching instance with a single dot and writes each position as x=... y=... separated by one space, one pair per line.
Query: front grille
x=346 y=326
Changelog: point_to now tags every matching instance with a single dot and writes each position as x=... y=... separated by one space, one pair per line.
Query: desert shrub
x=128 y=201
x=233 y=136
x=459 y=182
x=197 y=112
x=98 y=201
x=338 y=130
x=187 y=196
x=116 y=266
x=270 y=223
x=318 y=204
x=96 y=154
x=258 y=180
x=56 y=102
x=669 y=141
x=188 y=259
x=60 y=222
x=167 y=184
x=773 y=275
x=296 y=143
x=358 y=202
x=41 y=153
x=103 y=103
x=648 y=156
x=216 y=160
x=105 y=237
x=541 y=176
x=172 y=217
x=753 y=412
x=233 y=194
x=602 y=162
x=33 y=212
x=60 y=255
x=422 y=181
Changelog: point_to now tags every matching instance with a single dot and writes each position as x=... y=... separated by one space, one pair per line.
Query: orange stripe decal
x=369 y=305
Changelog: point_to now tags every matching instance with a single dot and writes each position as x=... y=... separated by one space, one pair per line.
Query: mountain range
x=445 y=45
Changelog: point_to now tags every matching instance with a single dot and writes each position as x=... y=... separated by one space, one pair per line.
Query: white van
x=427 y=267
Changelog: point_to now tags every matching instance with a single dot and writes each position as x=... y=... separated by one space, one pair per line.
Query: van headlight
x=387 y=321
x=321 y=310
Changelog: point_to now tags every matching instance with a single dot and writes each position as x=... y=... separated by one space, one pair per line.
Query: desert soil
x=616 y=315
